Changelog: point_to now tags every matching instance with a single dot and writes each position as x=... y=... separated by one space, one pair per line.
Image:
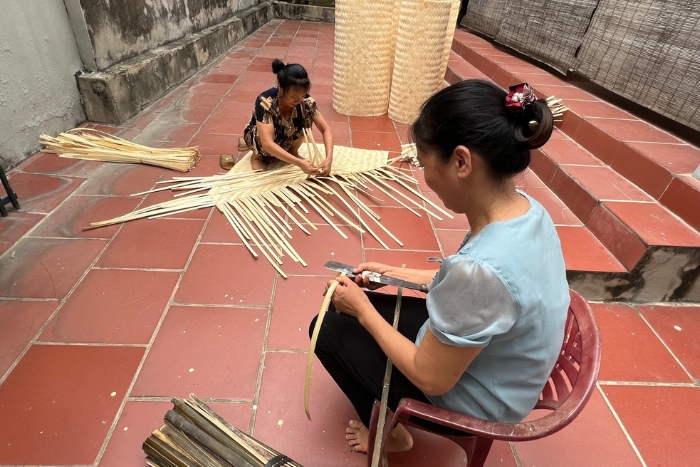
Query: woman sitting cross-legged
x=486 y=339
x=282 y=114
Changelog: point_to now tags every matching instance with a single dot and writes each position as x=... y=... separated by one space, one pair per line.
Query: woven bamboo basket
x=422 y=49
x=365 y=34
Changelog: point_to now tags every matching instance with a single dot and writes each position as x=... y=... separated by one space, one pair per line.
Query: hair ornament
x=519 y=97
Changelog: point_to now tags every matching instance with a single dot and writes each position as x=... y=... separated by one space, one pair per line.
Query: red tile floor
x=100 y=328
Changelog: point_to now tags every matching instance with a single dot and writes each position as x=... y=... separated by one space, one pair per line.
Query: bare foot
x=399 y=440
x=257 y=163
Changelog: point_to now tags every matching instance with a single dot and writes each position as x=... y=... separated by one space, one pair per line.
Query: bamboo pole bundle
x=195 y=436
x=265 y=208
x=96 y=145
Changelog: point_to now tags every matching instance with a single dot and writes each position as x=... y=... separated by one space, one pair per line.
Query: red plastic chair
x=568 y=389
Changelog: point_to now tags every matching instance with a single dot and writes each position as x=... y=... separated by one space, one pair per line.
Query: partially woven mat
x=423 y=43
x=365 y=35
x=264 y=207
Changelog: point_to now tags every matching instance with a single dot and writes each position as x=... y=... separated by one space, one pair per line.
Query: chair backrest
x=581 y=333
x=569 y=387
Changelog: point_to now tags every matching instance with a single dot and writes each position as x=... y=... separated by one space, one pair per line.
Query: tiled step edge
x=657 y=270
x=655 y=161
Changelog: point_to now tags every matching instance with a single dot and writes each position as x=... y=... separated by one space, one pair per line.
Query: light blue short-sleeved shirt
x=505 y=290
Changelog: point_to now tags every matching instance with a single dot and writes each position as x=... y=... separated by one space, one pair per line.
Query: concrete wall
x=38 y=61
x=122 y=29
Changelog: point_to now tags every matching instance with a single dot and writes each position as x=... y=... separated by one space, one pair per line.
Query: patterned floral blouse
x=267 y=110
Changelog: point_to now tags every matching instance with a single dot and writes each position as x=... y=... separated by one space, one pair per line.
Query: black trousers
x=356 y=362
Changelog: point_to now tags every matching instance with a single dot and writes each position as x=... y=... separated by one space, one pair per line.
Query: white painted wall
x=38 y=61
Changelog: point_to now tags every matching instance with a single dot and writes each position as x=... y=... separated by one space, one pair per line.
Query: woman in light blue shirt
x=488 y=335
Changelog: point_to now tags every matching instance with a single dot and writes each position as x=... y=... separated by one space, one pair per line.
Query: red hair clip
x=519 y=97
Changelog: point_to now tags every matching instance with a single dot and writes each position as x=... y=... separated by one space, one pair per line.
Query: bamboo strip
x=230 y=216
x=272 y=214
x=340 y=214
x=379 y=435
x=273 y=231
x=243 y=203
x=362 y=222
x=273 y=204
x=320 y=212
x=91 y=144
x=257 y=239
x=314 y=338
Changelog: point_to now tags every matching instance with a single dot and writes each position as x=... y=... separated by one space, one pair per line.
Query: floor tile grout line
x=268 y=323
x=104 y=268
x=516 y=455
x=13 y=299
x=622 y=426
x=87 y=344
x=647 y=384
x=210 y=400
x=216 y=305
x=263 y=357
x=156 y=330
x=60 y=305
x=658 y=336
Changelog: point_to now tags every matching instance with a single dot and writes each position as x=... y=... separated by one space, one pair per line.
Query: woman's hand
x=307 y=167
x=363 y=280
x=325 y=167
x=348 y=298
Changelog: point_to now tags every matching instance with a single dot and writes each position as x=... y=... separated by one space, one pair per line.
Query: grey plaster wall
x=38 y=61
x=121 y=29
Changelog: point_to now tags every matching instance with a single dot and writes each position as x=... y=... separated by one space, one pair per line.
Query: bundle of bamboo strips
x=96 y=145
x=264 y=207
x=196 y=436
x=556 y=107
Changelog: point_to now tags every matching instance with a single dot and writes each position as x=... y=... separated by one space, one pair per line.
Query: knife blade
x=375 y=277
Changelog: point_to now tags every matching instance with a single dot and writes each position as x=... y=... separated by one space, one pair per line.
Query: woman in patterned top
x=282 y=113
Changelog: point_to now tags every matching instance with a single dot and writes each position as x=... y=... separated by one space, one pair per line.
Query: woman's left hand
x=349 y=298
x=324 y=168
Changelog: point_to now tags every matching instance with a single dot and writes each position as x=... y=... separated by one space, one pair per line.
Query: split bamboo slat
x=196 y=436
x=265 y=207
x=95 y=145
x=422 y=52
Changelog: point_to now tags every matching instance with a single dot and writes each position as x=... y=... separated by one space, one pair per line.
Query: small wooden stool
x=11 y=197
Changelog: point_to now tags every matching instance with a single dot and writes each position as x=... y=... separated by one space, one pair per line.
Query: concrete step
x=657 y=162
x=658 y=249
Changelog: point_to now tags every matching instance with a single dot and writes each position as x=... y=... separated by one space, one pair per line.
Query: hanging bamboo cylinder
x=420 y=59
x=365 y=34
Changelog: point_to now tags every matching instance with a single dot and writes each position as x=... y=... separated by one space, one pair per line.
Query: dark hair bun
x=277 y=65
x=535 y=126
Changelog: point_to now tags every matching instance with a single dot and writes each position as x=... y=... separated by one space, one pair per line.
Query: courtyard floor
x=100 y=328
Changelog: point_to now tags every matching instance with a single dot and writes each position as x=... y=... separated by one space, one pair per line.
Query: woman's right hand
x=307 y=168
x=363 y=281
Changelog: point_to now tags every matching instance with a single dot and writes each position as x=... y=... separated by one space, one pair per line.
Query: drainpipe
x=80 y=32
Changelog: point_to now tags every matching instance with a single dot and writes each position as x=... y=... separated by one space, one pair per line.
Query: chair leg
x=482 y=446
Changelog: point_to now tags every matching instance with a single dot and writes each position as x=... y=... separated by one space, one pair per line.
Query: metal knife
x=375 y=277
